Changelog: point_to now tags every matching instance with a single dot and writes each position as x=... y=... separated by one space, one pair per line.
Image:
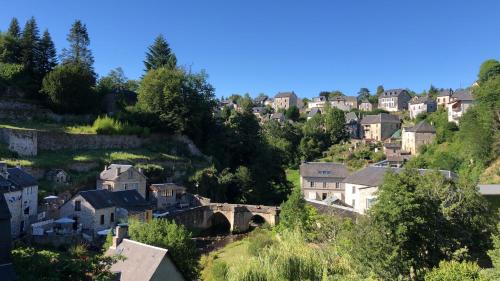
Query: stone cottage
x=414 y=137
x=379 y=127
x=117 y=177
x=444 y=97
x=320 y=180
x=57 y=176
x=353 y=125
x=344 y=103
x=167 y=194
x=21 y=194
x=98 y=210
x=420 y=105
x=394 y=100
x=366 y=105
x=284 y=100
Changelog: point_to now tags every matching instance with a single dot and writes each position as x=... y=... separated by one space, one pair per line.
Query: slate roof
x=127 y=199
x=17 y=179
x=164 y=186
x=260 y=99
x=463 y=95
x=323 y=170
x=343 y=98
x=284 y=94
x=141 y=260
x=396 y=135
x=422 y=127
x=313 y=112
x=110 y=172
x=422 y=99
x=380 y=118
x=374 y=176
x=351 y=116
x=278 y=115
x=445 y=93
x=257 y=109
x=393 y=93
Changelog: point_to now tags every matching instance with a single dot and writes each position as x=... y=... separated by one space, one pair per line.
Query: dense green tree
x=494 y=254
x=165 y=234
x=380 y=90
x=488 y=69
x=30 y=53
x=296 y=214
x=79 y=41
x=69 y=88
x=363 y=93
x=160 y=55
x=433 y=91
x=114 y=81
x=284 y=137
x=334 y=124
x=14 y=29
x=10 y=43
x=47 y=54
x=293 y=113
x=455 y=271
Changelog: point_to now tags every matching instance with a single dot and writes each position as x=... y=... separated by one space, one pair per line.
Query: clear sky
x=273 y=45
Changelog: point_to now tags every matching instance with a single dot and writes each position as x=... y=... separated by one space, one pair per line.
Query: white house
x=459 y=104
x=420 y=105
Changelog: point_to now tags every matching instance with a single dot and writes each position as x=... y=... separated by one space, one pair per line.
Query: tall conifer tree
x=14 y=28
x=48 y=54
x=160 y=55
x=29 y=44
x=78 y=51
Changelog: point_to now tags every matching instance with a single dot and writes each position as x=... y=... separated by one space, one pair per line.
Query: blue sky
x=270 y=46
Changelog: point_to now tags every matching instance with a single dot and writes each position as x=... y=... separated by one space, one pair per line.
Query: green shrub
x=106 y=125
x=258 y=241
x=455 y=271
x=219 y=270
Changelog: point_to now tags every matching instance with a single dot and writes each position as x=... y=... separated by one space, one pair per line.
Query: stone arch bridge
x=239 y=216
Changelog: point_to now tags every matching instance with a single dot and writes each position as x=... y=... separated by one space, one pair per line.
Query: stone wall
x=24 y=142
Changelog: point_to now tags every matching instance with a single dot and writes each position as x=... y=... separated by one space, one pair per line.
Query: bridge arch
x=220 y=223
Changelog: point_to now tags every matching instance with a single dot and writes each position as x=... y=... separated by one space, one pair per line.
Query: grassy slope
x=293 y=176
x=232 y=254
x=55 y=127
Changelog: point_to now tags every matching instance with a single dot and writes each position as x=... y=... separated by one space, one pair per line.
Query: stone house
x=444 y=97
x=20 y=191
x=260 y=101
x=366 y=105
x=167 y=194
x=278 y=116
x=6 y=268
x=142 y=261
x=98 y=210
x=353 y=125
x=117 y=177
x=421 y=104
x=344 y=103
x=379 y=127
x=313 y=112
x=394 y=100
x=57 y=176
x=361 y=187
x=284 y=100
x=414 y=137
x=322 y=180
x=459 y=104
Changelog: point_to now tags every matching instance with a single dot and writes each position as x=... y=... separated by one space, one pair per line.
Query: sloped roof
x=141 y=260
x=260 y=99
x=127 y=199
x=393 y=93
x=422 y=99
x=164 y=186
x=257 y=109
x=380 y=118
x=343 y=98
x=445 y=93
x=396 y=135
x=19 y=178
x=351 y=116
x=111 y=172
x=463 y=95
x=422 y=127
x=284 y=94
x=374 y=176
x=313 y=112
x=323 y=170
x=278 y=115
x=99 y=199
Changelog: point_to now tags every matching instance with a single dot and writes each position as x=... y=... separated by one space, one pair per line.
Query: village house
x=313 y=113
x=98 y=210
x=7 y=272
x=394 y=100
x=420 y=105
x=379 y=127
x=414 y=137
x=117 y=177
x=361 y=187
x=366 y=105
x=344 y=103
x=317 y=103
x=321 y=180
x=141 y=261
x=444 y=97
x=20 y=191
x=260 y=100
x=353 y=125
x=284 y=100
x=278 y=116
x=167 y=195
x=459 y=104
x=57 y=176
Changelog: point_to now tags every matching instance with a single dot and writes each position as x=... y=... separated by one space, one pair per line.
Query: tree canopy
x=160 y=55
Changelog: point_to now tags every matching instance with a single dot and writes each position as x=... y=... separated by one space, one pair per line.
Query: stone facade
x=394 y=100
x=23 y=208
x=122 y=177
x=24 y=142
x=379 y=128
x=366 y=106
x=284 y=100
x=166 y=194
x=322 y=180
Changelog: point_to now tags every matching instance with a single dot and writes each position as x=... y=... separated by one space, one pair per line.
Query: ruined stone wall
x=24 y=142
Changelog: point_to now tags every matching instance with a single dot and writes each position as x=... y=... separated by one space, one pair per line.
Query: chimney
x=121 y=232
x=118 y=171
x=105 y=167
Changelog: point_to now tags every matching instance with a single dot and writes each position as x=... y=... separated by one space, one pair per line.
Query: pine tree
x=78 y=51
x=48 y=55
x=29 y=44
x=14 y=28
x=159 y=54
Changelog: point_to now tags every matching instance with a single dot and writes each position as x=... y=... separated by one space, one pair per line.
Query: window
x=130 y=174
x=353 y=190
x=112 y=217
x=337 y=185
x=27 y=210
x=311 y=184
x=78 y=205
x=102 y=219
x=369 y=202
x=353 y=203
x=323 y=196
x=170 y=193
x=125 y=186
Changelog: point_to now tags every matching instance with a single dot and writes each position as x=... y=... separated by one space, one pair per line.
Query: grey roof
x=373 y=176
x=464 y=95
x=422 y=127
x=323 y=170
x=260 y=99
x=257 y=109
x=351 y=116
x=489 y=189
x=111 y=171
x=278 y=115
x=393 y=93
x=4 y=209
x=313 y=112
x=445 y=93
x=380 y=118
x=17 y=179
x=141 y=261
x=164 y=186
x=127 y=199
x=284 y=94
x=343 y=98
x=366 y=101
x=7 y=272
x=422 y=99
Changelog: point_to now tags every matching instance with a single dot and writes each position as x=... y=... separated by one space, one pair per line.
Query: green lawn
x=293 y=176
x=71 y=128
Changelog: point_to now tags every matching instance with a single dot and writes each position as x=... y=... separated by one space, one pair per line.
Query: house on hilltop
x=459 y=104
x=444 y=97
x=118 y=177
x=284 y=100
x=394 y=100
x=366 y=105
x=320 y=180
x=379 y=127
x=421 y=104
x=414 y=137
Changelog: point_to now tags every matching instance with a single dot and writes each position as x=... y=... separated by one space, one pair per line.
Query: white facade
x=23 y=208
x=456 y=109
x=360 y=197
